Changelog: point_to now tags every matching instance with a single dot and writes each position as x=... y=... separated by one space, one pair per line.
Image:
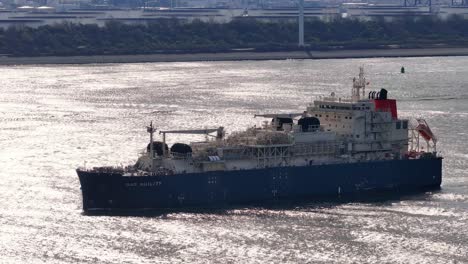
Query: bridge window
x=405 y=124
x=398 y=125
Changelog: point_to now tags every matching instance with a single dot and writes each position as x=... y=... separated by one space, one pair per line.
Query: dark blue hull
x=111 y=191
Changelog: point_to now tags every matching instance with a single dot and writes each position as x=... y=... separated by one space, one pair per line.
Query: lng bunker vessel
x=336 y=147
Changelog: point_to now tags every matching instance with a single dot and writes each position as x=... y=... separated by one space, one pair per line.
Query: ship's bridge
x=336 y=114
x=366 y=122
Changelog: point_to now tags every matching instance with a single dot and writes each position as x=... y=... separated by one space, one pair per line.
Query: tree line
x=172 y=35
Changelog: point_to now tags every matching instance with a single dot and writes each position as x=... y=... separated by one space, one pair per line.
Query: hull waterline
x=112 y=191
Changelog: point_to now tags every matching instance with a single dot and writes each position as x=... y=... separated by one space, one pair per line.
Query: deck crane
x=207 y=131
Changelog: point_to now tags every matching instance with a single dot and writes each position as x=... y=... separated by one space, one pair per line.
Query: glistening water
x=54 y=118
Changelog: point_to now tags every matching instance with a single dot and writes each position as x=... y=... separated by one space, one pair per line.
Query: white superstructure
x=363 y=127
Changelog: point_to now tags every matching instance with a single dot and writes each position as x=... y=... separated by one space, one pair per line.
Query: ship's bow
x=100 y=190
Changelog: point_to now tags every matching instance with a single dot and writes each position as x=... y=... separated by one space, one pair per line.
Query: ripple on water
x=54 y=118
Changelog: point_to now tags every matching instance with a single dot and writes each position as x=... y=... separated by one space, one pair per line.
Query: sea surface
x=54 y=118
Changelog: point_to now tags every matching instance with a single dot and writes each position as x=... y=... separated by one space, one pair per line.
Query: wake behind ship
x=336 y=147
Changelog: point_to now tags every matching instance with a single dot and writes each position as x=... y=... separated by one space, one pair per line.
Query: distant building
x=36 y=13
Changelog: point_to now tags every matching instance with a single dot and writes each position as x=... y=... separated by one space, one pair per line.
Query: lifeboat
x=424 y=130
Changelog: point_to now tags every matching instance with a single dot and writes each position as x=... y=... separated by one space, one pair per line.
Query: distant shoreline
x=235 y=56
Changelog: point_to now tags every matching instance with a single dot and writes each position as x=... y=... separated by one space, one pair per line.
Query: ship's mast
x=151 y=130
x=359 y=84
